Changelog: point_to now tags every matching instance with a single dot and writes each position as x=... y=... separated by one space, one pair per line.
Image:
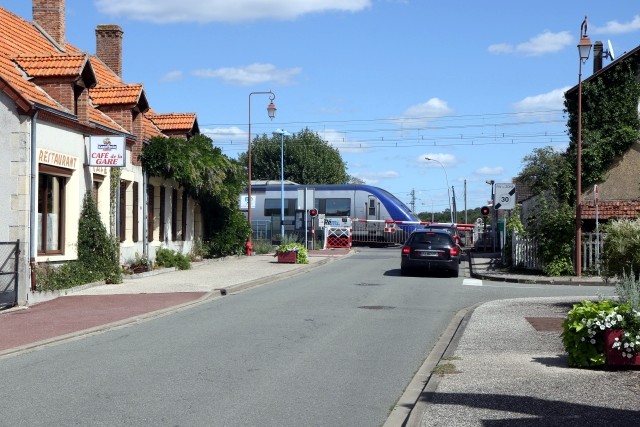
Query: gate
x=9 y=263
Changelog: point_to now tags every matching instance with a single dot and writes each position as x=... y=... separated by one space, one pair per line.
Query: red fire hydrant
x=248 y=248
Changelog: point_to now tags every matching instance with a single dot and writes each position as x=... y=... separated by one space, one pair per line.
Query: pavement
x=497 y=364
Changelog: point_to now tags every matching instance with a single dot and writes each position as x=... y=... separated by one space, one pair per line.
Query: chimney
x=109 y=47
x=49 y=15
x=597 y=56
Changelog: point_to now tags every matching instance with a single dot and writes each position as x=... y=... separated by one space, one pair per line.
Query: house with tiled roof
x=54 y=101
x=617 y=196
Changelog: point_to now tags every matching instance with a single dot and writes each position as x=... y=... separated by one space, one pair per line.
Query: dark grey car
x=430 y=251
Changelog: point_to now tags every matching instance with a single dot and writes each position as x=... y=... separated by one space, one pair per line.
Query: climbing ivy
x=610 y=122
x=209 y=177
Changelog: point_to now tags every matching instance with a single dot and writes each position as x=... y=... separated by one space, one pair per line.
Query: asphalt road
x=333 y=347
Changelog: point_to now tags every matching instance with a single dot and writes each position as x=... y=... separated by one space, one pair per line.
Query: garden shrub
x=97 y=250
x=621 y=248
x=302 y=256
x=628 y=290
x=68 y=275
x=168 y=258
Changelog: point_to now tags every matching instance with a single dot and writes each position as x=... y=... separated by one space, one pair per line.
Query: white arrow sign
x=505 y=196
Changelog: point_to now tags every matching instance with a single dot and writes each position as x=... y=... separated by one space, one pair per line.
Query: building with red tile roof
x=57 y=104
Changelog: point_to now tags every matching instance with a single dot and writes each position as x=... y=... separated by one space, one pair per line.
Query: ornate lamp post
x=447 y=179
x=282 y=134
x=584 y=49
x=271 y=110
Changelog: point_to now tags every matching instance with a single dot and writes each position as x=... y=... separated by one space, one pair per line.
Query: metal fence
x=9 y=267
x=524 y=252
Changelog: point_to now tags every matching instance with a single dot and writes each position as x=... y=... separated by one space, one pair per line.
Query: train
x=375 y=215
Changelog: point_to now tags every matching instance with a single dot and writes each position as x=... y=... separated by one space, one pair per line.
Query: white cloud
x=489 y=171
x=615 y=27
x=251 y=74
x=375 y=177
x=547 y=42
x=338 y=140
x=227 y=135
x=553 y=100
x=170 y=11
x=443 y=159
x=171 y=76
x=433 y=108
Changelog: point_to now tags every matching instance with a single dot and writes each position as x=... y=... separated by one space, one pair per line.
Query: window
x=135 y=212
x=272 y=207
x=174 y=215
x=162 y=212
x=150 y=211
x=334 y=207
x=51 y=203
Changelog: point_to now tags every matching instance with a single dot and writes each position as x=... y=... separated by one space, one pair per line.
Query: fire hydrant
x=248 y=248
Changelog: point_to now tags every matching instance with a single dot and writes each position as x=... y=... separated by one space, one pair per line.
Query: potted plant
x=140 y=264
x=292 y=253
x=602 y=333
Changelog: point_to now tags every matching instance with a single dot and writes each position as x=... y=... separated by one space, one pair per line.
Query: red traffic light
x=484 y=210
x=313 y=212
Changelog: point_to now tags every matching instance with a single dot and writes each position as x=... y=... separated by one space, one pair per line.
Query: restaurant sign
x=107 y=151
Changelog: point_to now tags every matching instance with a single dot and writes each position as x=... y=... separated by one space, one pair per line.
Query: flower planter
x=288 y=257
x=614 y=356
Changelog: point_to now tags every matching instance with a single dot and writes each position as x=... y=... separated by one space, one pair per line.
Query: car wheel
x=404 y=271
x=455 y=273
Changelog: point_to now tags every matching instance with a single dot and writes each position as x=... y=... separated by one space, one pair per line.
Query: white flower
x=619 y=318
x=592 y=341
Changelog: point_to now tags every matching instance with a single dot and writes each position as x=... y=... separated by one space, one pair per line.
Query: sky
x=474 y=86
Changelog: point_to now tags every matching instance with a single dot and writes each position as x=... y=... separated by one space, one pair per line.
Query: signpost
x=504 y=196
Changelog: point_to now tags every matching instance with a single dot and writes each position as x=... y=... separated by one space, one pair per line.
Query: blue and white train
x=370 y=210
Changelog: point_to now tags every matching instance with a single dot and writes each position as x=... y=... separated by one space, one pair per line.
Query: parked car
x=430 y=251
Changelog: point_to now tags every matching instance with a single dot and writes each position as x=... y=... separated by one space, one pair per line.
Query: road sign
x=504 y=196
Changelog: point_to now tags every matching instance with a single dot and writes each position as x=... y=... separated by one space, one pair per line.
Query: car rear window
x=432 y=238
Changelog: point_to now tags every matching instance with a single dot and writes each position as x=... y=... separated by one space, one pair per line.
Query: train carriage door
x=373 y=208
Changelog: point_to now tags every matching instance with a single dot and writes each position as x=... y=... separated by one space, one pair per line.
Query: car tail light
x=454 y=251
x=406 y=250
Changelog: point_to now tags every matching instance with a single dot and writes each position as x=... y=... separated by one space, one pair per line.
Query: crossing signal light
x=313 y=212
x=484 y=210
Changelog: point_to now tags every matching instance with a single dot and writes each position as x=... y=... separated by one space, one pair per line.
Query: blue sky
x=474 y=85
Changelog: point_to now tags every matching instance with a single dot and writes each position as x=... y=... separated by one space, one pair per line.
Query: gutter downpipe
x=32 y=204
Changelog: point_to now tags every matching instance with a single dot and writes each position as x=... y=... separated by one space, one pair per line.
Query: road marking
x=472 y=282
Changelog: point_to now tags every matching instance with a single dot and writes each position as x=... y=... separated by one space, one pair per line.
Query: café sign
x=107 y=151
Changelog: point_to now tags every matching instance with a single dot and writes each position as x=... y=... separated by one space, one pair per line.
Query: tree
x=308 y=159
x=548 y=174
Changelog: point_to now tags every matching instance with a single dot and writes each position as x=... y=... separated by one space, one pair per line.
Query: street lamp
x=584 y=49
x=282 y=134
x=447 y=179
x=271 y=110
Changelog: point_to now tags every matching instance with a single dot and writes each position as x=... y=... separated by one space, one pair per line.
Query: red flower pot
x=614 y=355
x=289 y=257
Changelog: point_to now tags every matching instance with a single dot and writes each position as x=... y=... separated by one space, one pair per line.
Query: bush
x=168 y=259
x=262 y=247
x=68 y=275
x=97 y=250
x=628 y=289
x=621 y=248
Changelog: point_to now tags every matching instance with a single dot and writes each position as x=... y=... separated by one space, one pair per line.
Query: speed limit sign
x=505 y=196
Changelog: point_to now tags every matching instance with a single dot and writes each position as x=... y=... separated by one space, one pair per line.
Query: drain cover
x=377 y=307
x=367 y=284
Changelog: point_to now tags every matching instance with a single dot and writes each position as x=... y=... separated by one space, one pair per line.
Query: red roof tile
x=53 y=65
x=174 y=121
x=116 y=95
